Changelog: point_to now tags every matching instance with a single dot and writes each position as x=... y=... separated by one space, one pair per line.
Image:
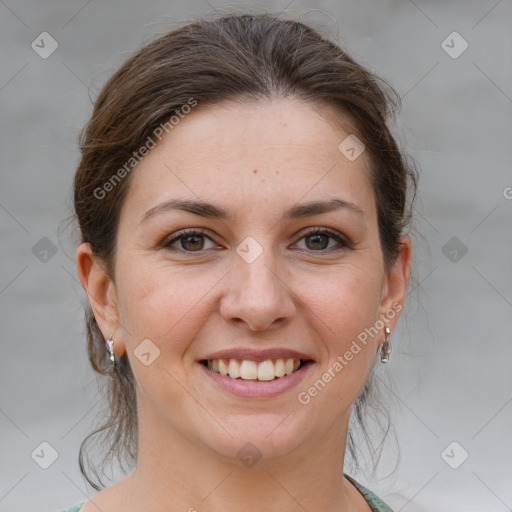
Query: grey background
x=449 y=373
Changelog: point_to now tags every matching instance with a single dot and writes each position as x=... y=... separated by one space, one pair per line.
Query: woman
x=242 y=206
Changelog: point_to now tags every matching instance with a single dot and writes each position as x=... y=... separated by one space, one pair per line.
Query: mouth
x=263 y=371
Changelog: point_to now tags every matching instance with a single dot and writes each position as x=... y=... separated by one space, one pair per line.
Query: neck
x=179 y=474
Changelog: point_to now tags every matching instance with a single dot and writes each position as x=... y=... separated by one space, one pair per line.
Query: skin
x=311 y=295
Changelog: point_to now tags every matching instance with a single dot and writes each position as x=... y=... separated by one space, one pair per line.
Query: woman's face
x=251 y=283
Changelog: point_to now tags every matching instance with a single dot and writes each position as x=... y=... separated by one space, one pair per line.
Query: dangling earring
x=385 y=350
x=110 y=348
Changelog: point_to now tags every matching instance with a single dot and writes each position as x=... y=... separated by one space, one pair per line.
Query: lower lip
x=256 y=388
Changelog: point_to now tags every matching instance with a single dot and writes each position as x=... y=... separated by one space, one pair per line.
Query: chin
x=257 y=436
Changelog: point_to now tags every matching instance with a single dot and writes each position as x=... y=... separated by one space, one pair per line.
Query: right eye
x=191 y=240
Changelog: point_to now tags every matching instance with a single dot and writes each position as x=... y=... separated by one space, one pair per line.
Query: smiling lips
x=247 y=369
x=256 y=365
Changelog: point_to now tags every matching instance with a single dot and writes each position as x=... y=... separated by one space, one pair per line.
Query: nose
x=257 y=295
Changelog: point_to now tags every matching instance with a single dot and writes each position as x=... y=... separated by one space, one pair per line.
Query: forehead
x=265 y=153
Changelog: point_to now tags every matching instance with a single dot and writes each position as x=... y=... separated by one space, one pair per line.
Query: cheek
x=165 y=305
x=348 y=306
x=347 y=299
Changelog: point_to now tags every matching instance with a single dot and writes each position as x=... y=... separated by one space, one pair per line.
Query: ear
x=395 y=285
x=100 y=290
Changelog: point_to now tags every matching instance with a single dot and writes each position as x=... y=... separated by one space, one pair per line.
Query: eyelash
x=314 y=231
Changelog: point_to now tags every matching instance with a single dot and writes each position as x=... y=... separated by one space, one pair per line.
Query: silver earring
x=385 y=350
x=110 y=348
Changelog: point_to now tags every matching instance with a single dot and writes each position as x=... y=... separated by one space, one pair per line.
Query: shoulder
x=376 y=504
x=75 y=508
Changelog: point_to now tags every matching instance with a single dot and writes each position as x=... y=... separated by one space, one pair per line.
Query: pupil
x=318 y=236
x=193 y=237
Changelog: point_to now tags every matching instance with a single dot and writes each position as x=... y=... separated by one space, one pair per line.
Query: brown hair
x=212 y=61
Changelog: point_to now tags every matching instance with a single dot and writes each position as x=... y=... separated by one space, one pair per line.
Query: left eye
x=193 y=240
x=316 y=235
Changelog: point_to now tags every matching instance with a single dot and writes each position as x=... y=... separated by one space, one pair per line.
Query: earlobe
x=99 y=289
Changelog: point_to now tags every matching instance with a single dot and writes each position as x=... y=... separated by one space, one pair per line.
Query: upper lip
x=258 y=355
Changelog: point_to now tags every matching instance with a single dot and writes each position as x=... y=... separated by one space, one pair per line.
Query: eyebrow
x=210 y=210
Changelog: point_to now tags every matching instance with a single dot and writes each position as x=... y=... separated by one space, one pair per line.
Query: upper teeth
x=252 y=370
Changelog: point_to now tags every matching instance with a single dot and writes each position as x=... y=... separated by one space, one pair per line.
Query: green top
x=376 y=504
